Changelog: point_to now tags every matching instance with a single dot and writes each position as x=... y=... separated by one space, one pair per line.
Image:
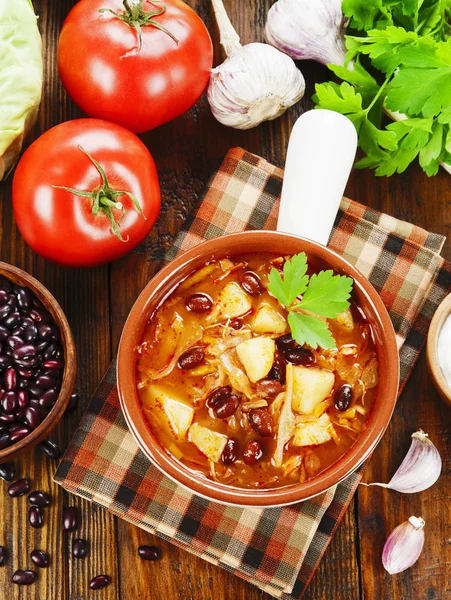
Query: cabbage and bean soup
x=226 y=388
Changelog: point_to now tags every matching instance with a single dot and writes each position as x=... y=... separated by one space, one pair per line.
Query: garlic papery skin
x=419 y=470
x=255 y=83
x=403 y=546
x=308 y=29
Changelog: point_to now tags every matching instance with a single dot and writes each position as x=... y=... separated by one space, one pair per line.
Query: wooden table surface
x=97 y=302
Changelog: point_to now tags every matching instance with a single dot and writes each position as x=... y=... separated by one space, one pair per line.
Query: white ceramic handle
x=320 y=155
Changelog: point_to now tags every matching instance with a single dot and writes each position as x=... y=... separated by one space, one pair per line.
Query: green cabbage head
x=20 y=78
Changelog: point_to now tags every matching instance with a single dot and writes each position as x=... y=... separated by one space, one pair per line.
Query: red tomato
x=108 y=74
x=61 y=225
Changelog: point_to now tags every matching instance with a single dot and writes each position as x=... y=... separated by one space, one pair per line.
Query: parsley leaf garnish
x=323 y=295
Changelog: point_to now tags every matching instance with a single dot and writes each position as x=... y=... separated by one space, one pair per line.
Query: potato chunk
x=310 y=387
x=207 y=441
x=257 y=356
x=231 y=302
x=267 y=320
x=345 y=320
x=174 y=414
x=313 y=434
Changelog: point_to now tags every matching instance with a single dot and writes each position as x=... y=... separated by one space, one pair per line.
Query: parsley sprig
x=309 y=299
x=400 y=52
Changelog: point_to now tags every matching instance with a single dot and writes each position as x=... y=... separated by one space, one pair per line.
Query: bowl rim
x=442 y=312
x=70 y=361
x=167 y=463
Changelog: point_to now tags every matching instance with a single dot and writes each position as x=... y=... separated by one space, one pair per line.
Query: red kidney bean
x=22 y=398
x=3 y=555
x=191 y=358
x=30 y=334
x=39 y=498
x=7 y=418
x=19 y=488
x=230 y=452
x=79 y=548
x=5 y=310
x=44 y=331
x=15 y=342
x=24 y=299
x=236 y=323
x=4 y=297
x=299 y=356
x=9 y=402
x=99 y=581
x=73 y=402
x=343 y=397
x=32 y=417
x=4 y=441
x=10 y=378
x=41 y=346
x=40 y=558
x=24 y=577
x=70 y=518
x=4 y=333
x=53 y=364
x=51 y=449
x=12 y=320
x=149 y=552
x=48 y=398
x=34 y=390
x=252 y=452
x=277 y=372
x=25 y=352
x=45 y=382
x=5 y=361
x=20 y=415
x=269 y=388
x=251 y=283
x=285 y=342
x=36 y=517
x=223 y=409
x=198 y=303
x=7 y=471
x=218 y=395
x=19 y=434
x=261 y=421
x=40 y=315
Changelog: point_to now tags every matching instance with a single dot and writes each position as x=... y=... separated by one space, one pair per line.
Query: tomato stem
x=136 y=17
x=104 y=198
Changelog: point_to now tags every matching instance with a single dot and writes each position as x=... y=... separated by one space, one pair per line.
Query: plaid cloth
x=276 y=549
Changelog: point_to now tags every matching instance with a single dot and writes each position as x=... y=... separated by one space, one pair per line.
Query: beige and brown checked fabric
x=275 y=549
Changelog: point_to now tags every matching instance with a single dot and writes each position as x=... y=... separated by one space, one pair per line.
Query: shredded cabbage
x=20 y=78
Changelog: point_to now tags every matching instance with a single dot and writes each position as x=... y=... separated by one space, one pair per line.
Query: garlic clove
x=404 y=546
x=420 y=468
x=306 y=29
x=257 y=83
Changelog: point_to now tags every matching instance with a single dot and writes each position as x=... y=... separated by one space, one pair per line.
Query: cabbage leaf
x=20 y=78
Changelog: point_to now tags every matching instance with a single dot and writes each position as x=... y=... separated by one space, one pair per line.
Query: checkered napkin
x=276 y=549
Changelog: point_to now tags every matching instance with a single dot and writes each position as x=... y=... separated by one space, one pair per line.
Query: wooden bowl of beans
x=37 y=361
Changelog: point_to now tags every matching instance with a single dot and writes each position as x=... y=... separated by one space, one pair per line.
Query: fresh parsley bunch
x=323 y=295
x=399 y=61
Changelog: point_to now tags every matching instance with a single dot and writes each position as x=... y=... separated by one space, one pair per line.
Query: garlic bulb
x=404 y=546
x=255 y=83
x=308 y=29
x=420 y=468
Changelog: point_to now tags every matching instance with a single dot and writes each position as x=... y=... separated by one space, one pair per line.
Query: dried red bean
x=32 y=417
x=230 y=452
x=3 y=555
x=24 y=352
x=261 y=421
x=73 y=402
x=79 y=548
x=35 y=517
x=40 y=558
x=48 y=398
x=70 y=518
x=285 y=342
x=277 y=372
x=149 y=552
x=5 y=310
x=51 y=449
x=236 y=323
x=269 y=388
x=251 y=283
x=19 y=434
x=53 y=364
x=218 y=395
x=223 y=409
x=299 y=356
x=19 y=488
x=22 y=398
x=10 y=378
x=343 y=397
x=24 y=577
x=24 y=299
x=9 y=402
x=38 y=498
x=45 y=382
x=12 y=320
x=4 y=297
x=99 y=581
x=192 y=358
x=198 y=303
x=252 y=452
x=7 y=471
